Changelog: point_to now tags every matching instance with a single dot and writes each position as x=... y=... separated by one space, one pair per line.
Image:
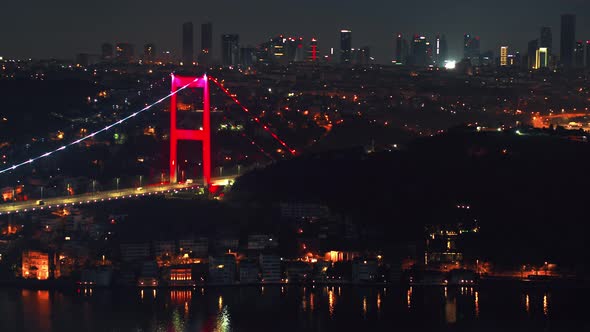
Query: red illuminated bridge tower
x=203 y=134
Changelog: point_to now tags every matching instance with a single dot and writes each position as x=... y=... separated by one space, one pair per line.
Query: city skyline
x=371 y=26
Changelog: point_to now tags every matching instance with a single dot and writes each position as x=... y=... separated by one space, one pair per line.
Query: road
x=102 y=196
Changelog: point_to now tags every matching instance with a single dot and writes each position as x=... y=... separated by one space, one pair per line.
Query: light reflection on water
x=227 y=309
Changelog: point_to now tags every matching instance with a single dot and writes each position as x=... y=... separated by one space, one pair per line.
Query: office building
x=471 y=49
x=546 y=39
x=568 y=39
x=125 y=52
x=443 y=51
x=345 y=46
x=230 y=49
x=206 y=43
x=588 y=54
x=399 y=49
x=504 y=56
x=579 y=54
x=107 y=51
x=271 y=268
x=187 y=44
x=542 y=58
x=313 y=53
x=248 y=56
x=421 y=52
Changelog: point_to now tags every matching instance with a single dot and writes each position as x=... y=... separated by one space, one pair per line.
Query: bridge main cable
x=49 y=153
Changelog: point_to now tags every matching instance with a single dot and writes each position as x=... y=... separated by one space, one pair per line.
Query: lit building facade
x=542 y=58
x=35 y=265
x=504 y=56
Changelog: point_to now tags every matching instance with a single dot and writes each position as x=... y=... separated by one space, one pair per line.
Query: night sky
x=62 y=28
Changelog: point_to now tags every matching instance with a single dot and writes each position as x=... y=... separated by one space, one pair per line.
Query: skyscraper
x=421 y=52
x=436 y=56
x=471 y=49
x=568 y=39
x=588 y=54
x=444 y=51
x=579 y=54
x=107 y=51
x=345 y=46
x=542 y=58
x=149 y=53
x=230 y=49
x=187 y=44
x=313 y=52
x=546 y=39
x=399 y=49
x=206 y=43
x=503 y=55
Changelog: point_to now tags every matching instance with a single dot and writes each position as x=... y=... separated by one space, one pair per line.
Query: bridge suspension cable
x=255 y=118
x=49 y=153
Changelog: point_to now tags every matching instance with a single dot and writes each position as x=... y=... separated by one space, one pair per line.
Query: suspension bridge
x=203 y=134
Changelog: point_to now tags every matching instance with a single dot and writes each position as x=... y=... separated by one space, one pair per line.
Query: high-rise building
x=206 y=43
x=542 y=58
x=230 y=49
x=421 y=52
x=399 y=40
x=444 y=51
x=361 y=56
x=295 y=51
x=568 y=39
x=579 y=54
x=471 y=49
x=546 y=39
x=107 y=51
x=532 y=48
x=588 y=54
x=125 y=52
x=149 y=53
x=187 y=44
x=345 y=46
x=247 y=56
x=313 y=53
x=504 y=56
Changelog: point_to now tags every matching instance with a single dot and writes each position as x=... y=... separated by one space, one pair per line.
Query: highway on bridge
x=102 y=196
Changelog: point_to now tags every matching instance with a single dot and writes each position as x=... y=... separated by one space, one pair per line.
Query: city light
x=450 y=64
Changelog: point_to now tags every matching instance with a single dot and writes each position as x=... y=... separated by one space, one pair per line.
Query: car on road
x=40 y=202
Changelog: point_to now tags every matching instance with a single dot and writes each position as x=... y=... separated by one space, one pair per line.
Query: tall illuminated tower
x=503 y=55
